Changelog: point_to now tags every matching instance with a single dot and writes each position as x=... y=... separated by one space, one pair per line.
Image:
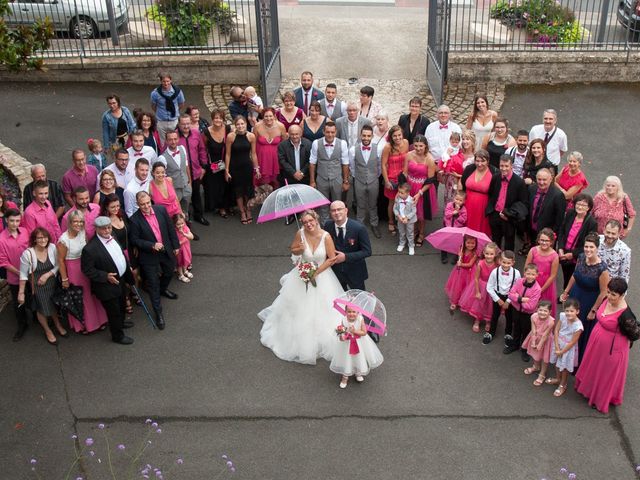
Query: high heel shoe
x=53 y=342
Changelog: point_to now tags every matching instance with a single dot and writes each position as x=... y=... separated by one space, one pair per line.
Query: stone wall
x=520 y=68
x=185 y=69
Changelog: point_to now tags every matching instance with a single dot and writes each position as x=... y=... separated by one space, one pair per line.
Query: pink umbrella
x=368 y=305
x=450 y=239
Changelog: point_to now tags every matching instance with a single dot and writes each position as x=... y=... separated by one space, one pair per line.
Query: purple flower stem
x=143 y=446
x=106 y=438
x=77 y=459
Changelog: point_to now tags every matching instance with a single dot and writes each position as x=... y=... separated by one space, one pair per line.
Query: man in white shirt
x=121 y=168
x=614 y=252
x=139 y=183
x=438 y=133
x=519 y=152
x=554 y=138
x=329 y=166
x=139 y=150
x=349 y=126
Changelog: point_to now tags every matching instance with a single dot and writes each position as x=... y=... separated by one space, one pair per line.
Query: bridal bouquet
x=307 y=271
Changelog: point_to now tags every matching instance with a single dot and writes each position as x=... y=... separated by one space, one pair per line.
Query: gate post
x=438 y=47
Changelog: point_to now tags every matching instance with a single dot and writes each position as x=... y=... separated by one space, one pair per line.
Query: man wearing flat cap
x=105 y=265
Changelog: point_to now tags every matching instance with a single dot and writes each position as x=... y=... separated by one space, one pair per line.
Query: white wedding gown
x=300 y=324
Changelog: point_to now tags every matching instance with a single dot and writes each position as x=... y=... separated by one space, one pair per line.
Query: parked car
x=629 y=15
x=88 y=21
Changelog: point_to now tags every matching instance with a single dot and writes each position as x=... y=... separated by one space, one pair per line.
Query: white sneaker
x=400 y=248
x=412 y=250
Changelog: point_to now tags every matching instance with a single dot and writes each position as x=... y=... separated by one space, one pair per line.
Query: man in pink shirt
x=197 y=158
x=80 y=175
x=14 y=241
x=89 y=210
x=39 y=213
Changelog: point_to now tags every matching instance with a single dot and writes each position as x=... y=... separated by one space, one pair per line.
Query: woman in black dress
x=217 y=192
x=498 y=141
x=535 y=160
x=241 y=162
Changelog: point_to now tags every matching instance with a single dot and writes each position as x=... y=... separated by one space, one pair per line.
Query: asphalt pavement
x=442 y=405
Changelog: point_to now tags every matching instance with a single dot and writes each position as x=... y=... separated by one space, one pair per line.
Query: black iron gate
x=269 y=48
x=438 y=46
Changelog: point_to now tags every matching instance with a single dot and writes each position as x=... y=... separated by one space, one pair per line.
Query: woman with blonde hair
x=611 y=203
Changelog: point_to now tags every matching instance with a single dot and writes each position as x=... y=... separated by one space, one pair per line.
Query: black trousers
x=521 y=327
x=19 y=310
x=116 y=313
x=502 y=229
x=568 y=268
x=196 y=200
x=495 y=316
x=158 y=277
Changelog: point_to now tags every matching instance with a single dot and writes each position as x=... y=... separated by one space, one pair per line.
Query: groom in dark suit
x=293 y=157
x=104 y=264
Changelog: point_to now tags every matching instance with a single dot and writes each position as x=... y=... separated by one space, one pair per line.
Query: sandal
x=552 y=381
x=476 y=326
x=188 y=274
x=452 y=309
x=539 y=381
x=183 y=279
x=558 y=392
x=419 y=241
x=531 y=370
x=344 y=381
x=392 y=229
x=223 y=214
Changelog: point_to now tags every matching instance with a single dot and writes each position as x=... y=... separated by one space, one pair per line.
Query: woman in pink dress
x=269 y=133
x=475 y=181
x=162 y=191
x=420 y=171
x=475 y=300
x=548 y=261
x=571 y=181
x=611 y=203
x=70 y=247
x=603 y=371
x=289 y=114
x=393 y=155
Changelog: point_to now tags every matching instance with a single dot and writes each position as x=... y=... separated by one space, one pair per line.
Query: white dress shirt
x=556 y=145
x=133 y=187
x=344 y=153
x=438 y=137
x=500 y=282
x=146 y=152
x=117 y=255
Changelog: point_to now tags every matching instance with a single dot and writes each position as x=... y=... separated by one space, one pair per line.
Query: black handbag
x=625 y=216
x=629 y=325
x=69 y=300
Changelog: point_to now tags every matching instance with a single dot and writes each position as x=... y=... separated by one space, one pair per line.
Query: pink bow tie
x=366 y=148
x=328 y=145
x=506 y=274
x=137 y=154
x=444 y=127
x=177 y=152
x=330 y=105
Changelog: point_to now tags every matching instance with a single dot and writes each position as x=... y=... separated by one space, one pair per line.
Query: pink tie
x=137 y=154
x=444 y=127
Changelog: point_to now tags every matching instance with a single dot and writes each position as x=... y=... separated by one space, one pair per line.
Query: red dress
x=267 y=152
x=479 y=308
x=603 y=370
x=459 y=279
x=476 y=202
x=544 y=271
x=394 y=167
x=566 y=181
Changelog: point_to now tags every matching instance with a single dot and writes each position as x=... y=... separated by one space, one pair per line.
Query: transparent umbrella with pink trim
x=290 y=200
x=366 y=303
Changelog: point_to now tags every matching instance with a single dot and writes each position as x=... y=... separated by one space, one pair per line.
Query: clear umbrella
x=289 y=200
x=368 y=305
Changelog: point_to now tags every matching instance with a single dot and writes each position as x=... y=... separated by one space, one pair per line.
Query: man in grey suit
x=329 y=167
x=330 y=106
x=175 y=160
x=365 y=169
x=350 y=125
x=293 y=157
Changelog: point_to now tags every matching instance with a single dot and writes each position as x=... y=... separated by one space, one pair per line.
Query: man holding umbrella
x=106 y=266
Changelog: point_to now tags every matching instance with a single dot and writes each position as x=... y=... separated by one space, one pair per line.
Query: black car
x=629 y=15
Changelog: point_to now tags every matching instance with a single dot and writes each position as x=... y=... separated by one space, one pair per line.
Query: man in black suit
x=152 y=232
x=307 y=93
x=507 y=204
x=293 y=157
x=547 y=204
x=104 y=264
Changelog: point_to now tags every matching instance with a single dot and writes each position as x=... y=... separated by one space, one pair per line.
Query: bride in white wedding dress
x=300 y=324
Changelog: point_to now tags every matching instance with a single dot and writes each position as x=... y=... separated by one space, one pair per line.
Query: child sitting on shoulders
x=96 y=156
x=565 y=351
x=184 y=255
x=461 y=275
x=404 y=208
x=499 y=284
x=455 y=215
x=539 y=342
x=356 y=354
x=524 y=297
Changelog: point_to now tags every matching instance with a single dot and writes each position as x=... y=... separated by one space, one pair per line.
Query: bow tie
x=330 y=105
x=328 y=145
x=518 y=154
x=444 y=127
x=177 y=152
x=505 y=179
x=137 y=154
x=403 y=201
x=506 y=274
x=365 y=148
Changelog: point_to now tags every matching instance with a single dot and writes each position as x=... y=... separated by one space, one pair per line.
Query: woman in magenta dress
x=393 y=155
x=475 y=300
x=548 y=261
x=289 y=114
x=420 y=171
x=269 y=133
x=70 y=247
x=603 y=371
x=162 y=191
x=475 y=181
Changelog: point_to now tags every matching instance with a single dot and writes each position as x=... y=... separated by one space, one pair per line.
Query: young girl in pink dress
x=184 y=255
x=461 y=275
x=539 y=342
x=475 y=300
x=547 y=260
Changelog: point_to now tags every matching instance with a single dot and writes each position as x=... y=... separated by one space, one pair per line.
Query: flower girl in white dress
x=356 y=354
